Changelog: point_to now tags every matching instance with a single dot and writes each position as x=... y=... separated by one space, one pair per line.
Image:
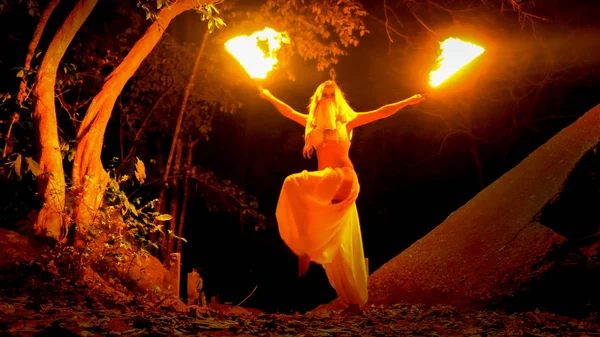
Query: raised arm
x=283 y=108
x=387 y=110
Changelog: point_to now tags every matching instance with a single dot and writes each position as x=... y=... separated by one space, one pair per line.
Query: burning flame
x=246 y=50
x=455 y=55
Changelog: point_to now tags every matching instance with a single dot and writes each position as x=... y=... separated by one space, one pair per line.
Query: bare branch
x=391 y=29
x=387 y=25
x=418 y=18
x=523 y=14
x=139 y=132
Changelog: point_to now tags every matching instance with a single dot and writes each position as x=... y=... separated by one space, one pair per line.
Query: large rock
x=515 y=241
x=144 y=274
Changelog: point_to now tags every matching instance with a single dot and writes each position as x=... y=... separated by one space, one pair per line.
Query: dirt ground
x=49 y=305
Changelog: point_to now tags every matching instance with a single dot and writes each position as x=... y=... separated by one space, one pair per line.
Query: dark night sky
x=406 y=190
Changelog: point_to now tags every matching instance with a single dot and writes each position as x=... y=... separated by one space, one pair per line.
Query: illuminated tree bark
x=89 y=176
x=26 y=67
x=51 y=184
x=37 y=35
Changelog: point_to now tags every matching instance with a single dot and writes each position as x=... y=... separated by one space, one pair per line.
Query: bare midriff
x=333 y=154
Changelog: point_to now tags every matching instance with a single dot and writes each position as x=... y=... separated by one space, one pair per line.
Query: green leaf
x=140 y=170
x=33 y=166
x=164 y=217
x=18 y=163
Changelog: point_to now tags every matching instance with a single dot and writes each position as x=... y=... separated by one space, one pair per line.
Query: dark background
x=407 y=187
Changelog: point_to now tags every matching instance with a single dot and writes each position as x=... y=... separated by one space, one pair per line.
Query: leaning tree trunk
x=89 y=176
x=39 y=29
x=37 y=35
x=51 y=184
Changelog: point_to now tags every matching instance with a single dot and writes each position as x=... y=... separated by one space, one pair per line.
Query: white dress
x=329 y=233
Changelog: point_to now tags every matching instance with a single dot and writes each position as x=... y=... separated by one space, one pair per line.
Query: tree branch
x=418 y=18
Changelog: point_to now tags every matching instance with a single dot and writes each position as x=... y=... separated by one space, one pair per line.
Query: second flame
x=455 y=55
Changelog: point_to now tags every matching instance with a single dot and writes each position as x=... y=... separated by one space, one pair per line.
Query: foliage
x=207 y=13
x=32 y=6
x=20 y=166
x=151 y=7
x=223 y=195
x=320 y=31
x=124 y=223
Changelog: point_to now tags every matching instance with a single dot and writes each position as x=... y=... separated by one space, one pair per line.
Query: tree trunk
x=186 y=191
x=51 y=184
x=174 y=204
x=26 y=67
x=160 y=206
x=89 y=176
x=166 y=240
x=37 y=35
x=186 y=95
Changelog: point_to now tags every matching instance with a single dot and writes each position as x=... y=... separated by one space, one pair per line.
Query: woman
x=316 y=212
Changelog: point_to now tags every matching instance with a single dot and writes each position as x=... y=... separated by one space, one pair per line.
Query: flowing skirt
x=329 y=233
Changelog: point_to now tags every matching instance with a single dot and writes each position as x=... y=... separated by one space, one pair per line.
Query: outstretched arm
x=283 y=108
x=387 y=110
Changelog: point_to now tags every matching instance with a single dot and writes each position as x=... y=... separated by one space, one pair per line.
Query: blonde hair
x=344 y=113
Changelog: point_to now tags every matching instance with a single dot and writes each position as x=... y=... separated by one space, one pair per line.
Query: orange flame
x=246 y=50
x=455 y=55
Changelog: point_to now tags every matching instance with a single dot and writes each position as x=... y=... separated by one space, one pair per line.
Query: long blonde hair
x=344 y=113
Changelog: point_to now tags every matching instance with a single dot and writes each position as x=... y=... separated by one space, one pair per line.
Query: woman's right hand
x=415 y=99
x=263 y=93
